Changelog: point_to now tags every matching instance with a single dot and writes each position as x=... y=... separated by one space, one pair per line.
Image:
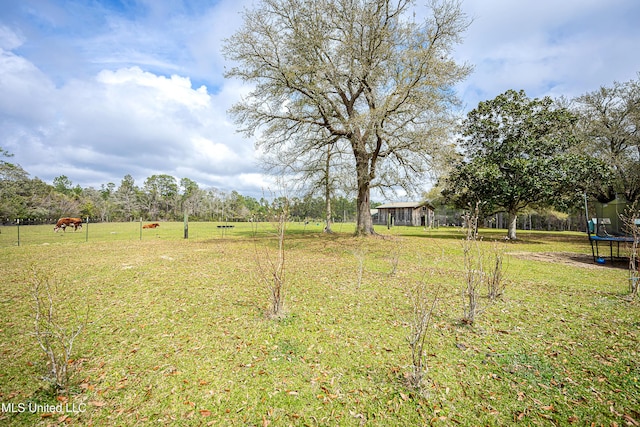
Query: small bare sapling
x=496 y=283
x=360 y=254
x=631 y=222
x=271 y=264
x=56 y=328
x=474 y=275
x=423 y=305
x=394 y=256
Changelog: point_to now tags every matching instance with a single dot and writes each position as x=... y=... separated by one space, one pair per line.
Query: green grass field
x=178 y=332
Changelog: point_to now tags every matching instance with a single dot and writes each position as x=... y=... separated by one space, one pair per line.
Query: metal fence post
x=186 y=225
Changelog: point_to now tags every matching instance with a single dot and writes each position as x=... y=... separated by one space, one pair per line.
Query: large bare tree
x=324 y=169
x=610 y=126
x=364 y=71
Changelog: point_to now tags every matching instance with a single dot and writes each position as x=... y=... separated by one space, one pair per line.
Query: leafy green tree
x=364 y=71
x=12 y=197
x=610 y=127
x=24 y=198
x=89 y=209
x=62 y=184
x=237 y=207
x=159 y=195
x=253 y=206
x=518 y=152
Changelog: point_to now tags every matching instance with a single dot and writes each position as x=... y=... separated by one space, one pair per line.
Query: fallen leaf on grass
x=357 y=415
x=13 y=394
x=205 y=412
x=86 y=386
x=630 y=420
x=96 y=403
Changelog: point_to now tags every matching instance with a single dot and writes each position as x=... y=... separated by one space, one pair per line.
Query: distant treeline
x=161 y=197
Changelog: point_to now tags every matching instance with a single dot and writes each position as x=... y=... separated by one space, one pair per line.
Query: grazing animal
x=68 y=222
x=154 y=225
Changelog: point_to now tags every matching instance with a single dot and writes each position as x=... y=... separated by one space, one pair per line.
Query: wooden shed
x=418 y=214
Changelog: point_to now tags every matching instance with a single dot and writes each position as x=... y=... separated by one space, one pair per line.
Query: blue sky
x=96 y=90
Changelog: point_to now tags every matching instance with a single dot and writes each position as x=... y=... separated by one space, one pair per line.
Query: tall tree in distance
x=127 y=198
x=610 y=127
x=63 y=184
x=159 y=194
x=13 y=179
x=362 y=71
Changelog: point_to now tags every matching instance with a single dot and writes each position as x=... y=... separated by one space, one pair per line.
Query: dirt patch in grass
x=568 y=258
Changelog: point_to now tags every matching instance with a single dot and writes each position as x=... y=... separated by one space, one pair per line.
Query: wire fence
x=18 y=234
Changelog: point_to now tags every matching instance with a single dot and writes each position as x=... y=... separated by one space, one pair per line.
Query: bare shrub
x=631 y=222
x=394 y=257
x=271 y=264
x=360 y=254
x=495 y=274
x=423 y=308
x=56 y=328
x=479 y=269
x=474 y=275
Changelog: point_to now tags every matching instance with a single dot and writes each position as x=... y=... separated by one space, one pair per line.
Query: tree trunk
x=327 y=228
x=365 y=172
x=513 y=222
x=364 y=225
x=327 y=191
x=364 y=222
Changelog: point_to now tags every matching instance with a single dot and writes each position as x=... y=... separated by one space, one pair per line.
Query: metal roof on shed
x=404 y=205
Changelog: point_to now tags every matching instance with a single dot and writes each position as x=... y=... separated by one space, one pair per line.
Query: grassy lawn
x=178 y=333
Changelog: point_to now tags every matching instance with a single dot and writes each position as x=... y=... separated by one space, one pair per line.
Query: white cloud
x=97 y=92
x=20 y=83
x=547 y=47
x=9 y=40
x=129 y=121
